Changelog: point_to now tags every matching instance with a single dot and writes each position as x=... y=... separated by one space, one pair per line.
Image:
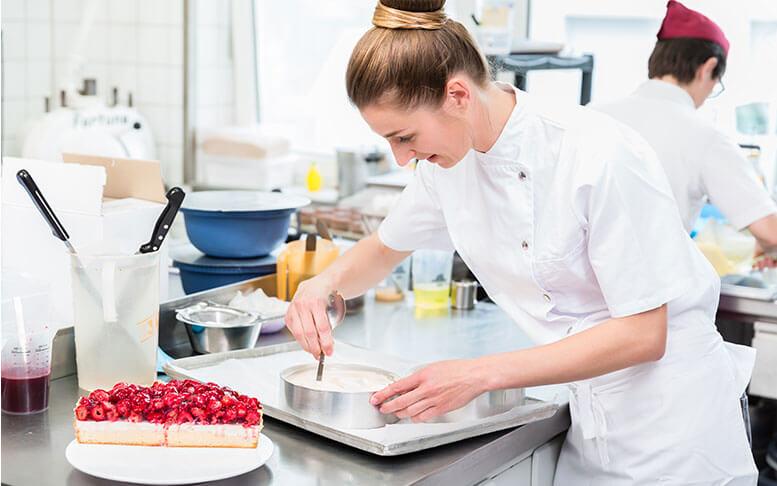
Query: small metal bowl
x=213 y=328
x=338 y=409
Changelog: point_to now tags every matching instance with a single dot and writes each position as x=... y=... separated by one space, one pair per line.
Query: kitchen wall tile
x=14 y=80
x=124 y=77
x=212 y=12
x=175 y=41
x=175 y=124
x=10 y=147
x=14 y=41
x=64 y=39
x=152 y=85
x=14 y=10
x=123 y=11
x=36 y=9
x=158 y=120
x=153 y=44
x=14 y=117
x=38 y=79
x=68 y=10
x=38 y=35
x=175 y=12
x=97 y=44
x=175 y=86
x=153 y=11
x=34 y=110
x=123 y=44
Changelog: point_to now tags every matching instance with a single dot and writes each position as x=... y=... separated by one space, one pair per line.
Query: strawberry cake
x=175 y=414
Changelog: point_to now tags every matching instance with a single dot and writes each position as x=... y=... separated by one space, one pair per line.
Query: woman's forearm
x=362 y=267
x=607 y=347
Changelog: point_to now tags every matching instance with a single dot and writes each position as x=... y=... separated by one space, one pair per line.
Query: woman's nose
x=404 y=157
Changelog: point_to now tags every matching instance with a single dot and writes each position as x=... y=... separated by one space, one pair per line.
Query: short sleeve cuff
x=654 y=301
x=743 y=219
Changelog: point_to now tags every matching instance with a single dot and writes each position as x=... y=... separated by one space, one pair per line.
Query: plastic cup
x=432 y=279
x=26 y=348
x=116 y=318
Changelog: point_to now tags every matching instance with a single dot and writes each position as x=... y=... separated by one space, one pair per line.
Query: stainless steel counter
x=33 y=446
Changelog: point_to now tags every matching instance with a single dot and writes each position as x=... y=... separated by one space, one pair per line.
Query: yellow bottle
x=313 y=180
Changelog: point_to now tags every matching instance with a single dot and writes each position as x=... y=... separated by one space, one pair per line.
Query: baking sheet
x=257 y=372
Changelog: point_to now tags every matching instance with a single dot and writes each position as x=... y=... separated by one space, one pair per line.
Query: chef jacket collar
x=655 y=88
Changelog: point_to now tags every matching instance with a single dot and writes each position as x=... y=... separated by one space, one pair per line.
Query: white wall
x=135 y=45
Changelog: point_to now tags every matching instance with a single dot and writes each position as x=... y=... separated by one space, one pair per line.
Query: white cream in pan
x=340 y=379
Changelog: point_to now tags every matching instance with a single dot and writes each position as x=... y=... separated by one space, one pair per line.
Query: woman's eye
x=404 y=139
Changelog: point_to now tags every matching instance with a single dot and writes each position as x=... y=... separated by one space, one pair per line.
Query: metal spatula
x=335 y=311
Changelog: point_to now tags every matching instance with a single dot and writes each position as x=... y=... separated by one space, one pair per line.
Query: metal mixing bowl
x=214 y=328
x=344 y=410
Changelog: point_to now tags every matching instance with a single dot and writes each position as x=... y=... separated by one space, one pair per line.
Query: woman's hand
x=434 y=390
x=307 y=319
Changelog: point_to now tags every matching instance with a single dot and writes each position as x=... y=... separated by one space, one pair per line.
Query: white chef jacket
x=700 y=161
x=566 y=221
x=569 y=220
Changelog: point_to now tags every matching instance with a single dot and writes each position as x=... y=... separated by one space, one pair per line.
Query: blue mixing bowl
x=239 y=224
x=200 y=272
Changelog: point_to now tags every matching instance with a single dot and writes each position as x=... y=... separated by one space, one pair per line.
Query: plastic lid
x=190 y=256
x=242 y=201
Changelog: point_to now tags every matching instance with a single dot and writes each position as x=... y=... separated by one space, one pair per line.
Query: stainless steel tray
x=532 y=410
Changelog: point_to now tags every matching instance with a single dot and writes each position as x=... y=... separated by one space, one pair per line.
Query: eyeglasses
x=717 y=89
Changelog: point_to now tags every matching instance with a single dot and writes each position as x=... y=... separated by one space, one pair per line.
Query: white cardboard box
x=93 y=200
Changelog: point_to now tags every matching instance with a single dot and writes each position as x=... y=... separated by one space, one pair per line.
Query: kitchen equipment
x=485 y=405
x=215 y=328
x=431 y=273
x=257 y=372
x=271 y=309
x=116 y=328
x=162 y=226
x=200 y=272
x=26 y=348
x=335 y=312
x=351 y=171
x=341 y=409
x=166 y=465
x=239 y=224
x=463 y=294
x=389 y=289
x=295 y=264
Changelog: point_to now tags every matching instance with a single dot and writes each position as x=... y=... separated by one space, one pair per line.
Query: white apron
x=569 y=221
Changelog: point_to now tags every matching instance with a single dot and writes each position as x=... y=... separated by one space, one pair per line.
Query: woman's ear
x=458 y=95
x=704 y=72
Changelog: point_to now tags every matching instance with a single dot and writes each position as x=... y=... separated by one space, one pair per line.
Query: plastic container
x=26 y=348
x=239 y=224
x=431 y=273
x=295 y=265
x=200 y=272
x=116 y=309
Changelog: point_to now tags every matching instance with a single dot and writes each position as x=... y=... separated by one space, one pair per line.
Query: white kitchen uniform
x=700 y=161
x=568 y=221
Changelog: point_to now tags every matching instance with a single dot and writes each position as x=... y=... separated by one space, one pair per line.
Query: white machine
x=94 y=128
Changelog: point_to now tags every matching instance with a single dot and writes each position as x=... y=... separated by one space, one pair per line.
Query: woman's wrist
x=485 y=374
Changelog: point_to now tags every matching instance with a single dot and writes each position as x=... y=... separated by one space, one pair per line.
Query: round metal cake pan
x=338 y=409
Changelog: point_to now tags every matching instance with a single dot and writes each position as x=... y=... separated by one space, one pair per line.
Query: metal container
x=485 y=405
x=463 y=294
x=338 y=409
x=214 y=328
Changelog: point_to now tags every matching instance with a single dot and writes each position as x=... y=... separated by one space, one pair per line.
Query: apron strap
x=586 y=409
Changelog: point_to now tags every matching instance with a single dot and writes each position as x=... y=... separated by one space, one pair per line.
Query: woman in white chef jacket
x=568 y=221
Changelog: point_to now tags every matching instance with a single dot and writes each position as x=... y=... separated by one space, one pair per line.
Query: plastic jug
x=294 y=265
x=116 y=308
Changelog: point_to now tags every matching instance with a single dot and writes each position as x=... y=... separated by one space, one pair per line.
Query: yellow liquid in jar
x=432 y=296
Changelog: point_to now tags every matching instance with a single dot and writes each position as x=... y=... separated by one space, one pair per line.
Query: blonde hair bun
x=410 y=14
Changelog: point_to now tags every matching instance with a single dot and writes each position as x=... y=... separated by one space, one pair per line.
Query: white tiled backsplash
x=135 y=45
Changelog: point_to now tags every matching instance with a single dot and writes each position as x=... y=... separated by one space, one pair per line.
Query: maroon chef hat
x=681 y=21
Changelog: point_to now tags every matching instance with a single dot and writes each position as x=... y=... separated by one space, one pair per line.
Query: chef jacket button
x=522 y=175
x=546 y=297
x=525 y=245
